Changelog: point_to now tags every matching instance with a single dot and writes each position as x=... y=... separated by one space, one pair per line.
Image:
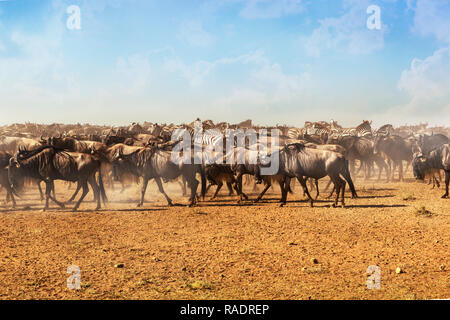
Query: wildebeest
x=217 y=174
x=427 y=143
x=4 y=181
x=12 y=144
x=49 y=163
x=397 y=149
x=297 y=161
x=438 y=158
x=95 y=148
x=152 y=163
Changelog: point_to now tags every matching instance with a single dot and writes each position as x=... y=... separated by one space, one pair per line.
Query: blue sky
x=283 y=61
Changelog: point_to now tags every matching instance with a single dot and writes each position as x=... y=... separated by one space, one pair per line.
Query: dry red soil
x=223 y=250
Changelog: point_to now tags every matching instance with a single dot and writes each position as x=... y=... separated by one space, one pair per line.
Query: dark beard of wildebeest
x=396 y=149
x=4 y=181
x=94 y=148
x=152 y=163
x=437 y=159
x=49 y=163
x=295 y=160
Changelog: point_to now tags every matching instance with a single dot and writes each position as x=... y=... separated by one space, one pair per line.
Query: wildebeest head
x=419 y=165
x=15 y=176
x=117 y=161
x=378 y=143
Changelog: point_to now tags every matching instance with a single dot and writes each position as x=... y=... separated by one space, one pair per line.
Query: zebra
x=364 y=129
x=385 y=130
x=295 y=133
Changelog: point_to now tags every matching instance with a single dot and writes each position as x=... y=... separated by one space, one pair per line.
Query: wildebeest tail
x=349 y=180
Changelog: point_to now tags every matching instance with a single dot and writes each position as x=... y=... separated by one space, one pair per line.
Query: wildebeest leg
x=10 y=195
x=328 y=185
x=219 y=185
x=337 y=185
x=183 y=185
x=342 y=193
x=317 y=188
x=284 y=192
x=12 y=199
x=266 y=187
x=400 y=171
x=332 y=191
x=193 y=185
x=230 y=189
x=161 y=189
x=47 y=195
x=311 y=184
x=447 y=180
x=83 y=195
x=305 y=188
x=436 y=181
x=209 y=187
x=53 y=190
x=96 y=191
x=239 y=192
x=239 y=186
x=75 y=193
x=51 y=186
x=101 y=187
x=143 y=189
x=40 y=190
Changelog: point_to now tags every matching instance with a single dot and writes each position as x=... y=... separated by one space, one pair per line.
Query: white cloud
x=196 y=73
x=195 y=35
x=347 y=32
x=427 y=83
x=432 y=18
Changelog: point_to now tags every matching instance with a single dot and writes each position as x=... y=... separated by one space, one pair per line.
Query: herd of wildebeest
x=98 y=156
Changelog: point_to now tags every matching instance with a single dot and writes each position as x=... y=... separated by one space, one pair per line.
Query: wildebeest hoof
x=444 y=196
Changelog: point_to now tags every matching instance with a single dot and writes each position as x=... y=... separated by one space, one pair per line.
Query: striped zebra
x=295 y=133
x=364 y=129
x=211 y=137
x=385 y=130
